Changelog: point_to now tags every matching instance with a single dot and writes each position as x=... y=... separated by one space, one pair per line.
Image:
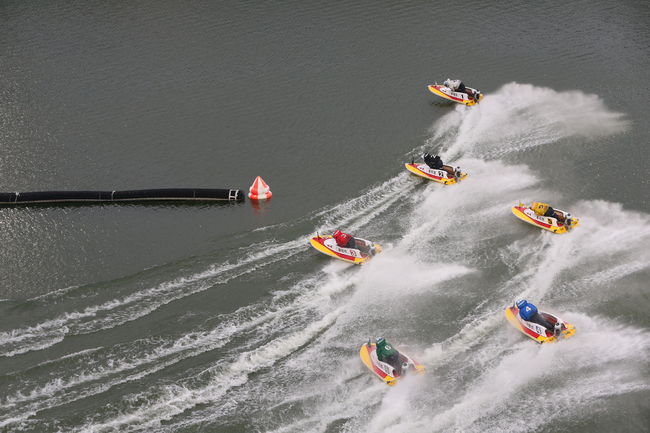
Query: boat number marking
x=433 y=171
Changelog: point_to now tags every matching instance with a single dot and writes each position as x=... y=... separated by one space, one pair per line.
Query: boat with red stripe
x=469 y=98
x=554 y=220
x=560 y=328
x=446 y=174
x=364 y=250
x=388 y=373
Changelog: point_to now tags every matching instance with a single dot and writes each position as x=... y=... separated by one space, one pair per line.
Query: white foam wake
x=518 y=117
x=525 y=377
x=118 y=311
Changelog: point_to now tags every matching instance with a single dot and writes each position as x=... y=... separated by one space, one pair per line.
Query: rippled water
x=220 y=318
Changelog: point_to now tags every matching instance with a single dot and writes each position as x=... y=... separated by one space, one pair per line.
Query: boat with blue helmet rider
x=541 y=326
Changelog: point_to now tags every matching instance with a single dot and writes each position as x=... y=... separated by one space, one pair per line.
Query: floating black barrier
x=168 y=194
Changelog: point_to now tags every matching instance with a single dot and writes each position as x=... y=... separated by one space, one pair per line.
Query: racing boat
x=559 y=223
x=537 y=332
x=327 y=245
x=469 y=98
x=447 y=175
x=387 y=372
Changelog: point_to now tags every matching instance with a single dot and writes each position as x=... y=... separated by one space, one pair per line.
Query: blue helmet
x=521 y=304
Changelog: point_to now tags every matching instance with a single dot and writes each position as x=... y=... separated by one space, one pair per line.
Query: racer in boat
x=345 y=240
x=458 y=86
x=433 y=161
x=529 y=312
x=436 y=163
x=543 y=209
x=386 y=353
x=454 y=85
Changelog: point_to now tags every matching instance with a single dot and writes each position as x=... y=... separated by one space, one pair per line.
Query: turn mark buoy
x=259 y=190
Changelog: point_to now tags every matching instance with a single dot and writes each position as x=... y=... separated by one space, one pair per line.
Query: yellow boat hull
x=546 y=223
x=346 y=254
x=366 y=354
x=438 y=176
x=435 y=89
x=512 y=314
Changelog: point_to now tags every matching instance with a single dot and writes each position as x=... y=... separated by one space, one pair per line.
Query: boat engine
x=557 y=329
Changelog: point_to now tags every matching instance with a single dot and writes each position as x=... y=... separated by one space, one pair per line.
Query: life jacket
x=452 y=84
x=341 y=238
x=528 y=311
x=539 y=208
x=384 y=350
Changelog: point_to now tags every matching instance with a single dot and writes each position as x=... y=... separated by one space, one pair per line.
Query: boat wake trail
x=118 y=311
x=518 y=117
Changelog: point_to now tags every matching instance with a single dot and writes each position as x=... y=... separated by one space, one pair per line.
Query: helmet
x=522 y=303
x=336 y=233
x=381 y=340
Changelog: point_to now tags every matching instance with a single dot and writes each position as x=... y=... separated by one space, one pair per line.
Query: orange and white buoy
x=259 y=190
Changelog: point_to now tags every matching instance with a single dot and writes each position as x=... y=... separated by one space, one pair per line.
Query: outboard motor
x=557 y=329
x=477 y=95
x=568 y=222
x=457 y=173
